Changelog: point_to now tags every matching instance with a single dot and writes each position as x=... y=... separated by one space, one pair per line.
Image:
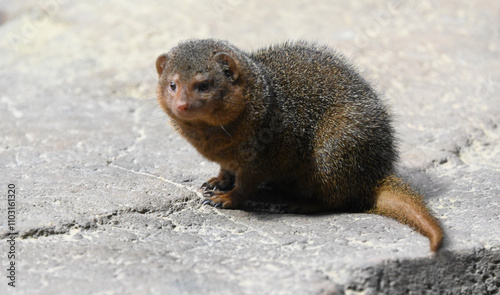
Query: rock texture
x=106 y=191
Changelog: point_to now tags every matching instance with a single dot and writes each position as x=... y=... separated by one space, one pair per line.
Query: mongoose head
x=201 y=81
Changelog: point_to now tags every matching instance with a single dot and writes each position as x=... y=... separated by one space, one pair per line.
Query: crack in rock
x=171 y=206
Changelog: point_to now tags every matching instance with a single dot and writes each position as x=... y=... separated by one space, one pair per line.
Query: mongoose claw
x=212 y=203
x=207 y=186
x=218 y=200
x=208 y=193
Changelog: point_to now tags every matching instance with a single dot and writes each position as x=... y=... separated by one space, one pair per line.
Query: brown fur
x=296 y=116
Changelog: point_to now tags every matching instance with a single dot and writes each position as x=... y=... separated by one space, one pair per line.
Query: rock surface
x=106 y=198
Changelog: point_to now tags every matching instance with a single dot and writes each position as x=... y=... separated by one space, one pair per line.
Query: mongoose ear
x=227 y=60
x=160 y=63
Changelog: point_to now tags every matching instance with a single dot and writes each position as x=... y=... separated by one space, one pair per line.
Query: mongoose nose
x=182 y=106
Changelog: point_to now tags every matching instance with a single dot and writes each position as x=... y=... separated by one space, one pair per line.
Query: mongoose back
x=295 y=116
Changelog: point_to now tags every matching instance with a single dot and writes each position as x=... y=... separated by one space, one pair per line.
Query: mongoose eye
x=173 y=86
x=203 y=86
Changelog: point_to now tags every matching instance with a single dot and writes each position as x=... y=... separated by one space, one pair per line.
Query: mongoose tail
x=397 y=200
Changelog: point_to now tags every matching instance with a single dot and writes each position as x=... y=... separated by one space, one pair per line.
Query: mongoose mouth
x=190 y=112
x=185 y=114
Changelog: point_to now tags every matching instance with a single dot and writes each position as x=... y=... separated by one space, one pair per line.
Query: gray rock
x=106 y=191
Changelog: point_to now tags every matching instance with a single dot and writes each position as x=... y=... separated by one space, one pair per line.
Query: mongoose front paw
x=217 y=183
x=219 y=199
